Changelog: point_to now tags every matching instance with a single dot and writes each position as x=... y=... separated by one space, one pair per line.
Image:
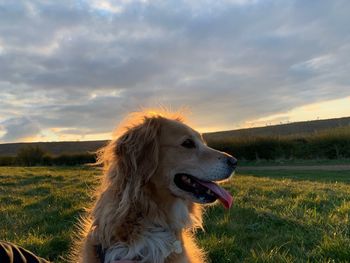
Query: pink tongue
x=225 y=198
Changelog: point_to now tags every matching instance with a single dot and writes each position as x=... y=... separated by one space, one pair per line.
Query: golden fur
x=139 y=213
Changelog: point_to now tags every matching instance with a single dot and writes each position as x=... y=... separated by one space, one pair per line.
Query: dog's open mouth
x=205 y=192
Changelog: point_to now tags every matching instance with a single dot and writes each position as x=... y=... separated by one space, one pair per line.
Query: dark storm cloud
x=84 y=64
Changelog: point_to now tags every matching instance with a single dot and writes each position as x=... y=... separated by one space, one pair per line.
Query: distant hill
x=55 y=148
x=305 y=127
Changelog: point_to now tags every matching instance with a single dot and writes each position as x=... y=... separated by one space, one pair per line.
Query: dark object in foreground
x=10 y=253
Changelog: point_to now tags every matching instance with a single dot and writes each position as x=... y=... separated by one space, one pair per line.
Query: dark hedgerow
x=328 y=144
x=35 y=156
x=7 y=160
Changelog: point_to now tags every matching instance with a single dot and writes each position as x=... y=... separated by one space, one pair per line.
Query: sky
x=71 y=70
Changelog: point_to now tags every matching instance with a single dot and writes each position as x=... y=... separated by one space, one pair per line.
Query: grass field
x=278 y=216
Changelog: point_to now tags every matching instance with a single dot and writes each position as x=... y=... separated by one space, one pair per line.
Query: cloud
x=18 y=129
x=84 y=64
x=315 y=65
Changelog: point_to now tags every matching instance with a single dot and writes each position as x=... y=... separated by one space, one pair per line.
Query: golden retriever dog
x=158 y=174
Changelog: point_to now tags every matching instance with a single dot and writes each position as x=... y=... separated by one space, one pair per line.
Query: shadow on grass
x=35 y=179
x=319 y=176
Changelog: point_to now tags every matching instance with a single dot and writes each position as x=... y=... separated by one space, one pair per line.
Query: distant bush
x=328 y=144
x=30 y=155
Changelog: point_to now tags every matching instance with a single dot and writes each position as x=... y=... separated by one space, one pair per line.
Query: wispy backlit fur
x=139 y=213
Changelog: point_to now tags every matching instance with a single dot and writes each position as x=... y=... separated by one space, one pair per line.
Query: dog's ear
x=137 y=152
x=129 y=162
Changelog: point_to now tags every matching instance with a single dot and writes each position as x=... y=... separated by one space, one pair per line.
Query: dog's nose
x=231 y=161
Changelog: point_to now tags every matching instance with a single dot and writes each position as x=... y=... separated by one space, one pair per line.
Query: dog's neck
x=179 y=216
x=160 y=235
x=176 y=213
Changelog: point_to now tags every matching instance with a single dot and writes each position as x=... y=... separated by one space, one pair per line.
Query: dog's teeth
x=194 y=185
x=188 y=180
x=208 y=192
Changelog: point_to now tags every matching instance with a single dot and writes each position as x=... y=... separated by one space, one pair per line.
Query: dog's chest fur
x=160 y=241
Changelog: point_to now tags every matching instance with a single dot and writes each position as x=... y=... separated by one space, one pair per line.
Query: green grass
x=277 y=216
x=39 y=206
x=283 y=216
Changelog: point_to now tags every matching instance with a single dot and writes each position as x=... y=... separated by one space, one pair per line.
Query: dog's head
x=172 y=158
x=190 y=167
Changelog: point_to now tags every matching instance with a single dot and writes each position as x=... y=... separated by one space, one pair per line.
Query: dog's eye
x=188 y=143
